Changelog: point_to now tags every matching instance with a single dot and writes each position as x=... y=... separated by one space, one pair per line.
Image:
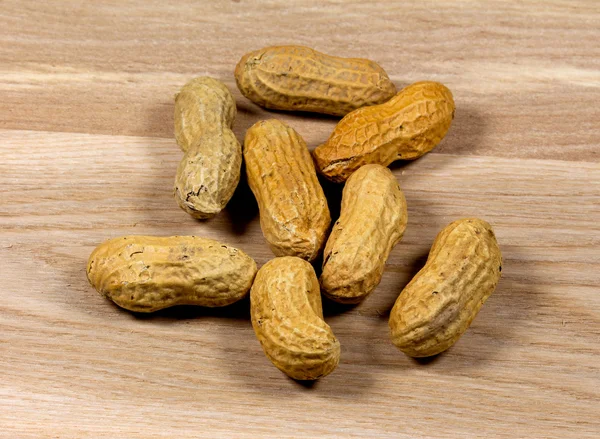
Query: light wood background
x=87 y=153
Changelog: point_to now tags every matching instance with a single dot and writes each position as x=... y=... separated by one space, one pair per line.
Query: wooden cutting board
x=87 y=153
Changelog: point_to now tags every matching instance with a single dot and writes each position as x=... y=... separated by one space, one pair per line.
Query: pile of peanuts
x=379 y=126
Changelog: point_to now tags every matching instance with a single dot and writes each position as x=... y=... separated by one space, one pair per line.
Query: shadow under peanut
x=333 y=193
x=397 y=279
x=466 y=134
x=242 y=209
x=239 y=310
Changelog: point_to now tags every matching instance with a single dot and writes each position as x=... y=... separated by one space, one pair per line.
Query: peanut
x=294 y=216
x=287 y=318
x=146 y=273
x=372 y=220
x=209 y=171
x=409 y=125
x=298 y=78
x=441 y=301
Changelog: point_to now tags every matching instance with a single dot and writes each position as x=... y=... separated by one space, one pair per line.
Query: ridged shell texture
x=288 y=319
x=209 y=171
x=294 y=215
x=407 y=126
x=372 y=220
x=146 y=273
x=441 y=301
x=297 y=78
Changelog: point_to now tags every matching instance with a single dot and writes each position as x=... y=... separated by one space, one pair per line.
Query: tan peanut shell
x=407 y=126
x=372 y=220
x=441 y=301
x=209 y=171
x=287 y=317
x=294 y=216
x=146 y=273
x=297 y=78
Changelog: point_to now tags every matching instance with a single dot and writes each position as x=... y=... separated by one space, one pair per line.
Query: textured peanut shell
x=287 y=318
x=203 y=105
x=297 y=78
x=407 y=126
x=146 y=273
x=441 y=301
x=209 y=171
x=372 y=220
x=294 y=216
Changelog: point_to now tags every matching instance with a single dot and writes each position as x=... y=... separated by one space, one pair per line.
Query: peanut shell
x=407 y=126
x=297 y=78
x=372 y=220
x=146 y=273
x=209 y=171
x=294 y=216
x=441 y=301
x=287 y=318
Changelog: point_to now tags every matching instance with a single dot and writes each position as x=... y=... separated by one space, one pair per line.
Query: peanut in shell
x=209 y=171
x=407 y=126
x=294 y=215
x=298 y=78
x=287 y=317
x=147 y=273
x=372 y=220
x=441 y=301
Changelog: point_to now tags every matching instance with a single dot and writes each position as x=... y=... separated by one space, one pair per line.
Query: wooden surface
x=87 y=153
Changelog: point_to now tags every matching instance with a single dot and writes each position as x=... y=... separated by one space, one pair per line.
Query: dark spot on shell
x=434 y=292
x=500 y=268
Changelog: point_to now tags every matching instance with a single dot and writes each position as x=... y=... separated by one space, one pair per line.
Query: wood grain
x=517 y=70
x=87 y=153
